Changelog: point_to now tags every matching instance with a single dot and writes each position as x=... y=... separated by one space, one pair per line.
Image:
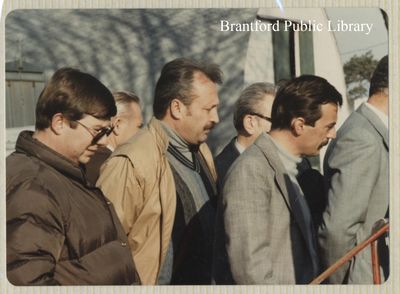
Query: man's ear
x=58 y=123
x=116 y=122
x=298 y=125
x=176 y=108
x=249 y=124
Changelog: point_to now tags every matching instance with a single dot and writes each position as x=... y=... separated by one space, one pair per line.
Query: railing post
x=376 y=274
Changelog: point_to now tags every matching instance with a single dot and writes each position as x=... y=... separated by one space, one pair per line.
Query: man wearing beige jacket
x=162 y=182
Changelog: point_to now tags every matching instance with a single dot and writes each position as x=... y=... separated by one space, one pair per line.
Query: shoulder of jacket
x=140 y=145
x=144 y=154
x=37 y=177
x=357 y=126
x=21 y=169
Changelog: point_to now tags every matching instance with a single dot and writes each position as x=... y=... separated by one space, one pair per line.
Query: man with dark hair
x=356 y=169
x=269 y=231
x=251 y=117
x=60 y=229
x=165 y=178
x=126 y=123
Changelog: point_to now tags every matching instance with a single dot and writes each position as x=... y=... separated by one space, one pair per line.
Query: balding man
x=126 y=123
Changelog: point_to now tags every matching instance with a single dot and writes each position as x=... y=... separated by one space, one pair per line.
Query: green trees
x=358 y=71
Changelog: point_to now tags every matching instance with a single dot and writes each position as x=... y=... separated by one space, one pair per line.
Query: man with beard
x=269 y=236
x=162 y=182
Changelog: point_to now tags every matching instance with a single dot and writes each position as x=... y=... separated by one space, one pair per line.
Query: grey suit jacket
x=265 y=238
x=356 y=172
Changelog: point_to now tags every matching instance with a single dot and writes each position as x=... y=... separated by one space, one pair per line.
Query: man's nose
x=332 y=133
x=214 y=116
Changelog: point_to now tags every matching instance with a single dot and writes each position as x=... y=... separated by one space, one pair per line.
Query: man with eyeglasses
x=251 y=117
x=269 y=233
x=61 y=230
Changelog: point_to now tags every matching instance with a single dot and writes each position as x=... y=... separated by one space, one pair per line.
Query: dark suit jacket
x=224 y=160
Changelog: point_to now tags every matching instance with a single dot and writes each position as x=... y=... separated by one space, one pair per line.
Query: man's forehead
x=204 y=91
x=200 y=77
x=329 y=112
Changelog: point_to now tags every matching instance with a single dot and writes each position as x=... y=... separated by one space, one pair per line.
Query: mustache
x=323 y=144
x=209 y=126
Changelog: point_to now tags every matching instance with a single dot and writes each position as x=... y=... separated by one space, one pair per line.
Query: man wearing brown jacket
x=162 y=182
x=61 y=230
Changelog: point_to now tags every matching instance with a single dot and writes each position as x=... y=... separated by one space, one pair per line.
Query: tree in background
x=358 y=71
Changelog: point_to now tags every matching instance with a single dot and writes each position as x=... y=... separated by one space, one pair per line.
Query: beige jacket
x=137 y=178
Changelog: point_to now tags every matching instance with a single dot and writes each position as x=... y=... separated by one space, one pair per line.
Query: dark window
x=284 y=59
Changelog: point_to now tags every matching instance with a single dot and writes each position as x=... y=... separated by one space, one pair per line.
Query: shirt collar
x=179 y=143
x=239 y=147
x=290 y=161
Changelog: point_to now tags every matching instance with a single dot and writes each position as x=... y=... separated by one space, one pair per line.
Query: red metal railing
x=379 y=228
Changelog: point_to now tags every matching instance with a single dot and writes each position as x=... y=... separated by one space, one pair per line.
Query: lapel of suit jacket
x=376 y=123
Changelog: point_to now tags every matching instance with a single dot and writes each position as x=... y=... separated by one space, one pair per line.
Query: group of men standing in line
x=158 y=211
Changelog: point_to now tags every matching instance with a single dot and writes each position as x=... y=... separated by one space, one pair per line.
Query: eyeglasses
x=261 y=116
x=97 y=134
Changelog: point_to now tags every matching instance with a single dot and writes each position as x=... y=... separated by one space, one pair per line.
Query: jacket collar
x=375 y=122
x=267 y=147
x=157 y=130
x=30 y=146
x=162 y=140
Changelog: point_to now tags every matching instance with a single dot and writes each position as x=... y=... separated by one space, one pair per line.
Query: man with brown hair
x=162 y=181
x=269 y=233
x=61 y=230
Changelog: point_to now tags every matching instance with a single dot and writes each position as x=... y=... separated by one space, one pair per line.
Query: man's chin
x=202 y=139
x=85 y=157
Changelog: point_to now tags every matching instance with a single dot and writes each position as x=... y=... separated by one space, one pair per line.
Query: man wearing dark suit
x=251 y=117
x=269 y=236
x=356 y=170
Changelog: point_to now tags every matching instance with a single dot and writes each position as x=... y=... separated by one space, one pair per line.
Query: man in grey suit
x=356 y=169
x=269 y=235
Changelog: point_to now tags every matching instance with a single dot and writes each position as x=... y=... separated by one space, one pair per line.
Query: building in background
x=126 y=49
